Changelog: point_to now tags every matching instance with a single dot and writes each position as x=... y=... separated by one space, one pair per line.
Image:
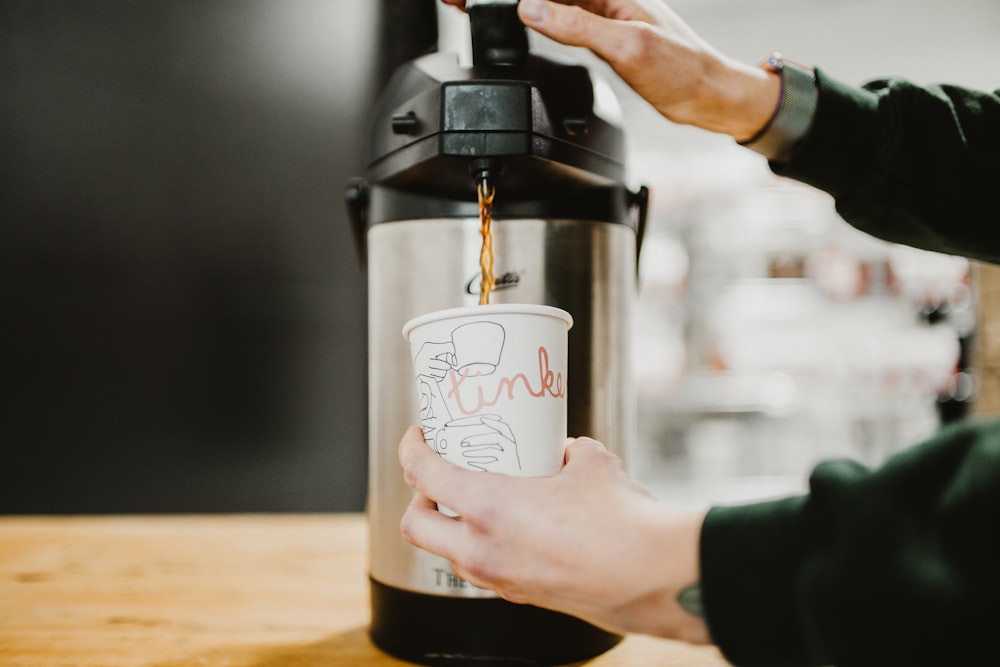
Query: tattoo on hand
x=690 y=600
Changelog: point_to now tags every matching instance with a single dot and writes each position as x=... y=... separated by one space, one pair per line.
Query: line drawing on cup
x=480 y=441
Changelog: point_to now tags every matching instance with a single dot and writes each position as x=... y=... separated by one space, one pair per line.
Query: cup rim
x=488 y=309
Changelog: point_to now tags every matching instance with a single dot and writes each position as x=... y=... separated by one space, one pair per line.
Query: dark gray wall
x=183 y=317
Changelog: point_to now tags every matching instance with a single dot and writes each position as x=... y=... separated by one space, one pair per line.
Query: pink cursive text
x=549 y=383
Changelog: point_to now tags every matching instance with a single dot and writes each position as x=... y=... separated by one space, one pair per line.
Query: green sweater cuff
x=908 y=164
x=749 y=555
x=836 y=151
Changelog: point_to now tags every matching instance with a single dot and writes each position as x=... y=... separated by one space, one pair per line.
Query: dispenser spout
x=485 y=172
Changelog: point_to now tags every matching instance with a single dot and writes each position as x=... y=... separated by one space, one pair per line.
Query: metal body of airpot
x=566 y=234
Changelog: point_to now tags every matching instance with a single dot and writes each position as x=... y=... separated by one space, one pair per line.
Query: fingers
x=625 y=10
x=612 y=39
x=425 y=527
x=443 y=482
x=422 y=524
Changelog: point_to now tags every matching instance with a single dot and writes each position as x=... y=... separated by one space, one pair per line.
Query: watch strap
x=794 y=113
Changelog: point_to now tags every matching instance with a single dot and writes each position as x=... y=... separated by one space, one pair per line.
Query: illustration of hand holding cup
x=431 y=365
x=478 y=442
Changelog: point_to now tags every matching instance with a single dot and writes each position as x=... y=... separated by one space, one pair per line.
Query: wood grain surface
x=232 y=590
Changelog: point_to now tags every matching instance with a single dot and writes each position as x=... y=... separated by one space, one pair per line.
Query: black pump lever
x=498 y=36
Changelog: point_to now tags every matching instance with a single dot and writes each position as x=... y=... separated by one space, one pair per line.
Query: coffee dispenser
x=546 y=134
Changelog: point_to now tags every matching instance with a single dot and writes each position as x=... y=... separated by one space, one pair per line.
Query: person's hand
x=663 y=60
x=587 y=542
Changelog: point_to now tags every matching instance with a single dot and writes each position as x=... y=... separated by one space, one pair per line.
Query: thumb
x=579 y=450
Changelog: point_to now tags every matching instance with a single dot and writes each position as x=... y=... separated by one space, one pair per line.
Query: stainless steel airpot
x=566 y=234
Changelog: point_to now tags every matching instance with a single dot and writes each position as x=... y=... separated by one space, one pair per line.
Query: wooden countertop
x=233 y=590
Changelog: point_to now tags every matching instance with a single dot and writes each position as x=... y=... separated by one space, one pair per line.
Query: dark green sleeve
x=918 y=165
x=900 y=566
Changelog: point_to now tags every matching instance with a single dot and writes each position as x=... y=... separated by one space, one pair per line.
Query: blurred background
x=184 y=316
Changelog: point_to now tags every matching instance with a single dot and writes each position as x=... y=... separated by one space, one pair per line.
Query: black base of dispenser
x=449 y=631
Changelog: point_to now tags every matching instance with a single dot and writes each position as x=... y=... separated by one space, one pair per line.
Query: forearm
x=908 y=164
x=671 y=605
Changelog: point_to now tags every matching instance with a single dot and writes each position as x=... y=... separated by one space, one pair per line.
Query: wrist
x=794 y=113
x=677 y=564
x=739 y=99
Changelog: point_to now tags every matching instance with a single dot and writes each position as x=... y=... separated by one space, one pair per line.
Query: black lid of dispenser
x=532 y=119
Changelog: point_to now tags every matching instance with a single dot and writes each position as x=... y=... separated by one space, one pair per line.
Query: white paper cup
x=491 y=385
